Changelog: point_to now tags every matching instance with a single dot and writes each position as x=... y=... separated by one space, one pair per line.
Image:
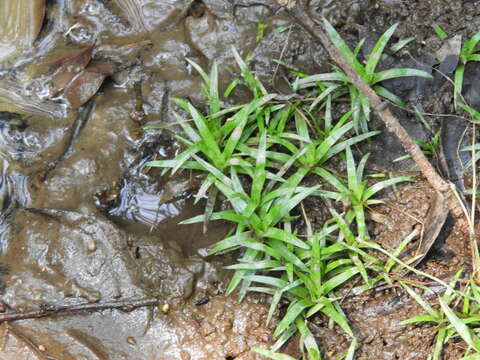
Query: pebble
x=131 y=340
x=165 y=308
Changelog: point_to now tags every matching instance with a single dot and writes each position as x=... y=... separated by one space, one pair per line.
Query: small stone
x=138 y=117
x=42 y=348
x=165 y=308
x=131 y=340
x=91 y=245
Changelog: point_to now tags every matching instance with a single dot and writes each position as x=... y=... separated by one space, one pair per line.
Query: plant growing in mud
x=468 y=53
x=338 y=82
x=258 y=158
x=456 y=317
x=216 y=136
x=355 y=194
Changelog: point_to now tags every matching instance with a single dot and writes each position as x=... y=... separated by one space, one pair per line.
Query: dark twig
x=125 y=305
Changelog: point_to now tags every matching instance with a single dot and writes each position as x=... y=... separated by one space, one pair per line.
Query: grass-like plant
x=216 y=135
x=338 y=81
x=257 y=156
x=457 y=317
x=468 y=53
x=355 y=193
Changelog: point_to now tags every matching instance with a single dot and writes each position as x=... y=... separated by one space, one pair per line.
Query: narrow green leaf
x=461 y=328
x=334 y=150
x=343 y=48
x=424 y=304
x=458 y=84
x=327 y=143
x=242 y=275
x=372 y=190
x=418 y=319
x=213 y=97
x=230 y=242
x=193 y=165
x=212 y=197
x=439 y=342
x=333 y=180
x=230 y=88
x=468 y=47
x=380 y=90
x=293 y=311
x=207 y=183
x=440 y=33
x=287 y=254
x=257 y=265
x=351 y=171
x=308 y=340
x=259 y=172
x=211 y=147
x=325 y=94
x=203 y=74
x=292 y=330
x=312 y=80
x=398 y=72
x=351 y=350
x=377 y=51
x=338 y=318
x=281 y=210
x=339 y=279
x=282 y=235
x=401 y=44
x=228 y=215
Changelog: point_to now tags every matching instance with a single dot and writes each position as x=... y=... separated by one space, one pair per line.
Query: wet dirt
x=83 y=220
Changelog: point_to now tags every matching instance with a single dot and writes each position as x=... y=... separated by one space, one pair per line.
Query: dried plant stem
x=126 y=305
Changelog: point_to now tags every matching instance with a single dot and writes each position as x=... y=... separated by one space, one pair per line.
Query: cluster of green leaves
x=456 y=317
x=257 y=155
x=338 y=84
x=468 y=53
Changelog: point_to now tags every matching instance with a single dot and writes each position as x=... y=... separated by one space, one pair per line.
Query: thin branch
x=126 y=305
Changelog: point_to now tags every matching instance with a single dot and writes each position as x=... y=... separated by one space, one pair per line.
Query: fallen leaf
x=87 y=83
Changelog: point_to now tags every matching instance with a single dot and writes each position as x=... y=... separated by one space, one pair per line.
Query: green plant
x=428 y=148
x=355 y=193
x=451 y=323
x=217 y=134
x=338 y=81
x=440 y=32
x=257 y=156
x=468 y=53
x=260 y=31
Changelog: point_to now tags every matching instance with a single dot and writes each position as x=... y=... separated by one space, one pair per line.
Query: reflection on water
x=13 y=193
x=150 y=209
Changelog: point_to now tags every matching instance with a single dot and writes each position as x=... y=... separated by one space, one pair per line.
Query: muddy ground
x=83 y=220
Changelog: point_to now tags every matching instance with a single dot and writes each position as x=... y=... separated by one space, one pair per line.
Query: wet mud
x=83 y=221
